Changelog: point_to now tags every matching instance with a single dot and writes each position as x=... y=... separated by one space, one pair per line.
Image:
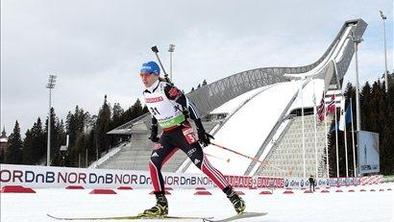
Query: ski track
x=323 y=207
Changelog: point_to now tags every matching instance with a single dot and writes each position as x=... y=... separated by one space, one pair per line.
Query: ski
x=133 y=217
x=236 y=217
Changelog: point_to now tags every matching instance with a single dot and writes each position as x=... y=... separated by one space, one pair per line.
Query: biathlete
x=171 y=110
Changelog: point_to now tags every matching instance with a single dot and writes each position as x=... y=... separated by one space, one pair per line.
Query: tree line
x=377 y=115
x=88 y=138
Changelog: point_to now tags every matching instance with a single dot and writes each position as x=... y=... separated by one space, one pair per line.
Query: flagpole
x=344 y=135
x=336 y=138
x=315 y=122
x=346 y=158
x=357 y=41
x=353 y=143
x=303 y=128
x=326 y=136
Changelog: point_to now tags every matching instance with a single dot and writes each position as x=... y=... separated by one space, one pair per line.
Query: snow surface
x=316 y=86
x=247 y=129
x=322 y=207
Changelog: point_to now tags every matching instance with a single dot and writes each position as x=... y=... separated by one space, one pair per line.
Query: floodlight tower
x=386 y=71
x=50 y=86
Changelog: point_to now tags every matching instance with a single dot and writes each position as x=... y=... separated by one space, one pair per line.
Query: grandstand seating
x=136 y=154
x=286 y=156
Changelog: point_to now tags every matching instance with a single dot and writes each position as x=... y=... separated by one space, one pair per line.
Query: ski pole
x=227 y=160
x=246 y=156
x=156 y=51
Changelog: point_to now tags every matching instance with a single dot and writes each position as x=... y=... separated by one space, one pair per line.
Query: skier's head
x=150 y=67
x=149 y=73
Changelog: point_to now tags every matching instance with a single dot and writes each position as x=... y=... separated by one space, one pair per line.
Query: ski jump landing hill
x=256 y=113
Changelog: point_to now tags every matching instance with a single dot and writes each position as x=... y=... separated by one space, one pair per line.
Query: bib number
x=189 y=134
x=154 y=111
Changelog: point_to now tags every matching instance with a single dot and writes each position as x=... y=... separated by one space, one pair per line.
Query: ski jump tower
x=217 y=93
x=330 y=67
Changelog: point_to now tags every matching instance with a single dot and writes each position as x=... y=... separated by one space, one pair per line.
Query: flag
x=321 y=109
x=346 y=119
x=342 y=115
x=331 y=105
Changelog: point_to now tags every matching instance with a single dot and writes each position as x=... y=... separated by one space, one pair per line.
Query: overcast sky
x=95 y=47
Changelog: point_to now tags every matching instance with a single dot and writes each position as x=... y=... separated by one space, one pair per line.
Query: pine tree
x=39 y=142
x=28 y=148
x=102 y=127
x=3 y=138
x=80 y=147
x=387 y=140
x=134 y=111
x=76 y=125
x=14 y=152
x=34 y=144
x=71 y=128
x=117 y=112
x=2 y=154
x=137 y=109
x=60 y=140
x=120 y=117
x=377 y=107
x=365 y=114
x=90 y=146
x=377 y=115
x=57 y=136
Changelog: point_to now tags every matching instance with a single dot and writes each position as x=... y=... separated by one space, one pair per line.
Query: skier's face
x=148 y=79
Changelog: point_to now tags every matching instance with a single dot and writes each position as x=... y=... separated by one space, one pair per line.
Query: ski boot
x=159 y=210
x=236 y=200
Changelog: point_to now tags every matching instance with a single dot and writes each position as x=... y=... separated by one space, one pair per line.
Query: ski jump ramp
x=259 y=101
x=273 y=95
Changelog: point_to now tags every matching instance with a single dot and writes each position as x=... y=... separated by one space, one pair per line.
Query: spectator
x=311 y=183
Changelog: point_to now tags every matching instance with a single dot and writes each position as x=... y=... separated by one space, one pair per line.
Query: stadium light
x=385 y=51
x=50 y=86
x=171 y=49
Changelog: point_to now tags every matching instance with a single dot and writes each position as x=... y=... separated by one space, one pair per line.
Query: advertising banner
x=56 y=177
x=60 y=177
x=299 y=183
x=368 y=152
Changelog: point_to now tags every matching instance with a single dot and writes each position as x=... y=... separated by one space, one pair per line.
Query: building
x=3 y=141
